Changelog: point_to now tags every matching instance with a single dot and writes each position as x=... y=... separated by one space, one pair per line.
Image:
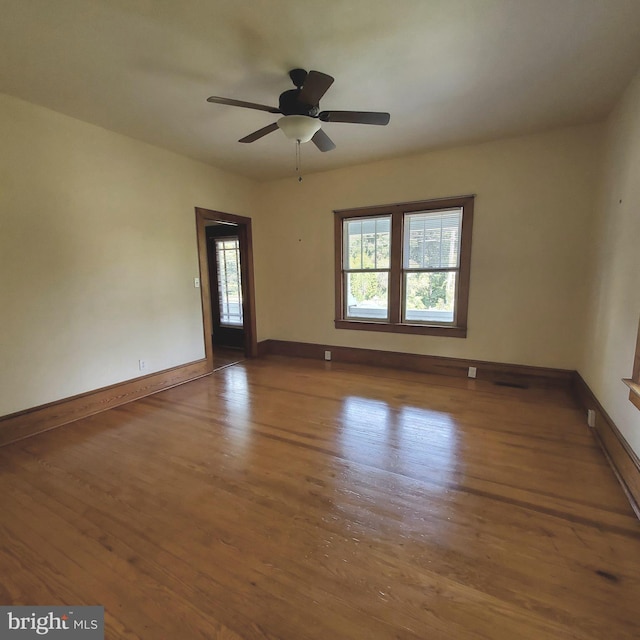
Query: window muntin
x=229 y=281
x=424 y=289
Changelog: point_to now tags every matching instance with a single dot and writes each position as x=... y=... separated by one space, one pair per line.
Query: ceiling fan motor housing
x=290 y=105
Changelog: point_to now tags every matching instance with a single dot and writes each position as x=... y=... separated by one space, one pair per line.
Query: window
x=229 y=285
x=404 y=268
x=367 y=264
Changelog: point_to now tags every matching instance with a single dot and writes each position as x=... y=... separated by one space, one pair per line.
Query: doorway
x=225 y=251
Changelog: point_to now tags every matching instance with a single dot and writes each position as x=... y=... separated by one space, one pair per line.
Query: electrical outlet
x=591 y=417
x=472 y=372
x=196 y=283
x=327 y=355
x=142 y=365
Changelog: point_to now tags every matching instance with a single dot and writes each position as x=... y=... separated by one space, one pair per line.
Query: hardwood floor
x=297 y=499
x=224 y=356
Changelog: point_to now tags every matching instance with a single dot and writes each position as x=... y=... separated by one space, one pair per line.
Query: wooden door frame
x=246 y=268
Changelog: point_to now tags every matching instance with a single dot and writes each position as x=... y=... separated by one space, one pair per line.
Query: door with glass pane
x=226 y=287
x=229 y=283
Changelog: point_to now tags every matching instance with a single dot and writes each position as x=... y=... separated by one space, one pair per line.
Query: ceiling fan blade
x=256 y=135
x=357 y=117
x=242 y=103
x=323 y=141
x=314 y=87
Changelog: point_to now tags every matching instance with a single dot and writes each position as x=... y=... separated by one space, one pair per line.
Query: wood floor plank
x=292 y=499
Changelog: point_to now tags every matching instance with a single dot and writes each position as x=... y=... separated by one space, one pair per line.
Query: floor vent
x=514 y=385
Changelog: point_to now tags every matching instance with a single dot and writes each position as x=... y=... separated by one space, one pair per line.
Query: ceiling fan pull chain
x=298 y=161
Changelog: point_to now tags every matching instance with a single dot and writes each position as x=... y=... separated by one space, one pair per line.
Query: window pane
x=368 y=295
x=229 y=283
x=430 y=297
x=432 y=239
x=367 y=243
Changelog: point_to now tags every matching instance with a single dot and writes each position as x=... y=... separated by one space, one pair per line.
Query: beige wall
x=614 y=308
x=97 y=255
x=98 y=251
x=534 y=207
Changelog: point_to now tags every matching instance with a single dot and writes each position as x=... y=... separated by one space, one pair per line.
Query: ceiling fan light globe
x=301 y=128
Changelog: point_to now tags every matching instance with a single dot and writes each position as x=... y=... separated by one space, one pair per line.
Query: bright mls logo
x=55 y=623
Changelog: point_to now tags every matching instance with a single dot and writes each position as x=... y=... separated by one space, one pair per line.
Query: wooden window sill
x=428 y=330
x=634 y=391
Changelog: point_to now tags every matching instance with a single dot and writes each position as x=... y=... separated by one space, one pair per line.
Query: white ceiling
x=448 y=71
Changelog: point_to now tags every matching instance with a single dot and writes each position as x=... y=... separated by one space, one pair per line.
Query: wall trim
x=458 y=367
x=23 y=424
x=622 y=458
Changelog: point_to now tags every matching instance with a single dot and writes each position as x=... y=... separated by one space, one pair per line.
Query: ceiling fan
x=300 y=109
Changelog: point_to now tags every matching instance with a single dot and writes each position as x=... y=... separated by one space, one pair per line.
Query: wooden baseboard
x=621 y=457
x=512 y=374
x=22 y=424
